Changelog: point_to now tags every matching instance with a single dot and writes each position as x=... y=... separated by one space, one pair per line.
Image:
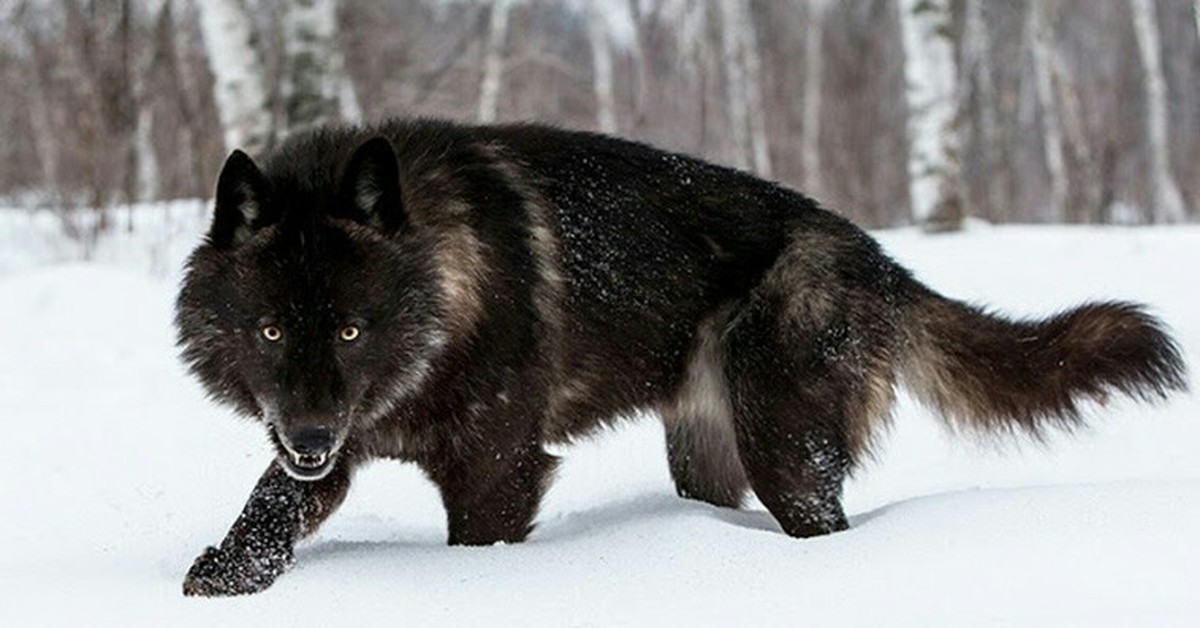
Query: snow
x=118 y=473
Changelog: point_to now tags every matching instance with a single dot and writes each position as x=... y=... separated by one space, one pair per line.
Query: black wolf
x=460 y=296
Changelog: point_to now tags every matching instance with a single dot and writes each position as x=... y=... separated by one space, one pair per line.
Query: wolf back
x=461 y=296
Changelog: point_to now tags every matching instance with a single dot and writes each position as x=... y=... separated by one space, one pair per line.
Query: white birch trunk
x=602 y=71
x=147 y=160
x=638 y=53
x=739 y=55
x=313 y=67
x=760 y=147
x=1167 y=200
x=239 y=80
x=146 y=183
x=493 y=61
x=348 y=105
x=929 y=73
x=814 y=61
x=735 y=95
x=1041 y=35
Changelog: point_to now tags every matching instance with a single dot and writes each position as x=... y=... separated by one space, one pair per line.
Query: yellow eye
x=272 y=333
x=349 y=333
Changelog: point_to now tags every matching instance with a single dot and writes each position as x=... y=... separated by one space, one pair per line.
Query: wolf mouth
x=303 y=465
x=310 y=461
x=309 y=467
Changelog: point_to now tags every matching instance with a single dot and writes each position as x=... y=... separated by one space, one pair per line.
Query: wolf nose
x=311 y=441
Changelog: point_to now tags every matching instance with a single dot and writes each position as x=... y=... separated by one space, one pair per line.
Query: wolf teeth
x=310 y=461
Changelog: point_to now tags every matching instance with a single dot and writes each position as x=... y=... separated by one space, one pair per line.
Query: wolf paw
x=233 y=570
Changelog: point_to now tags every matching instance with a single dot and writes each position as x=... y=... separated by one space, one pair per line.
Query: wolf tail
x=990 y=374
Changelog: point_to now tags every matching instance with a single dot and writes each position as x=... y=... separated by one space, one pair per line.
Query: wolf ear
x=242 y=192
x=371 y=186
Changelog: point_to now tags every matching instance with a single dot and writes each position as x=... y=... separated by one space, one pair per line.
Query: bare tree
x=814 y=60
x=1084 y=199
x=1167 y=202
x=638 y=60
x=187 y=100
x=602 y=70
x=38 y=98
x=756 y=119
x=493 y=61
x=1041 y=19
x=735 y=94
x=144 y=159
x=739 y=54
x=976 y=101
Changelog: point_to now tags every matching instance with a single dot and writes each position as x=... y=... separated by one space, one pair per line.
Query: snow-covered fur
x=460 y=296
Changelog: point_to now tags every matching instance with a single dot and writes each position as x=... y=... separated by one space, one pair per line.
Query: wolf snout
x=311 y=441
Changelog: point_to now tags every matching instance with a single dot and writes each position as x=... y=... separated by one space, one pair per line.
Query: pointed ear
x=241 y=202
x=370 y=190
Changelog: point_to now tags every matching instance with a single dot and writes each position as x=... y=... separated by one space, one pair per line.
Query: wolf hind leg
x=701 y=443
x=790 y=401
x=702 y=454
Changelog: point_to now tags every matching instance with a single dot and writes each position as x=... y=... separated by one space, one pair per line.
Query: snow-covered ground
x=117 y=472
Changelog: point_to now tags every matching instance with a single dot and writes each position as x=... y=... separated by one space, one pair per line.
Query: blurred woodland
x=890 y=111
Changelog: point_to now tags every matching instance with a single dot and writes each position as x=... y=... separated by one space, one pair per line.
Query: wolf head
x=312 y=304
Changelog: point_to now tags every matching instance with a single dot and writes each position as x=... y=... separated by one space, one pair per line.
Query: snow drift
x=118 y=472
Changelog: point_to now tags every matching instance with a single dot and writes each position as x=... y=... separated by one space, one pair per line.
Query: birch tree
x=1167 y=202
x=740 y=57
x=145 y=168
x=977 y=91
x=814 y=60
x=314 y=84
x=602 y=70
x=239 y=84
x=930 y=80
x=493 y=61
x=638 y=54
x=1040 y=21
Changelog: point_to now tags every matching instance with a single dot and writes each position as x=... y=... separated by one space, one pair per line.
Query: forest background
x=892 y=112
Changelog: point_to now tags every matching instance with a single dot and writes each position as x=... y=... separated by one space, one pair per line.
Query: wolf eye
x=349 y=333
x=272 y=333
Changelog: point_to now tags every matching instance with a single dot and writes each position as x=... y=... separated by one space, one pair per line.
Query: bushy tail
x=990 y=374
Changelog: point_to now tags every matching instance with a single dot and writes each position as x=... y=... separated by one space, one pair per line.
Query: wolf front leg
x=493 y=496
x=259 y=547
